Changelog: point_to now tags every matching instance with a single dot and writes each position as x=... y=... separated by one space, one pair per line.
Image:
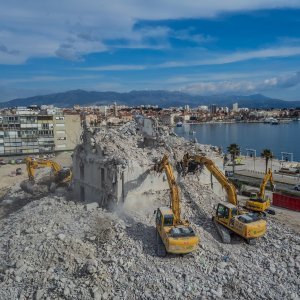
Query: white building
x=235 y=107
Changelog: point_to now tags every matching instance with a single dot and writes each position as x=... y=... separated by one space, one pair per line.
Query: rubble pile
x=125 y=143
x=55 y=248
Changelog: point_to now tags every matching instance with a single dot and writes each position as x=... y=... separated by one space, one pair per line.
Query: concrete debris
x=112 y=163
x=56 y=248
x=62 y=260
x=125 y=144
x=91 y=206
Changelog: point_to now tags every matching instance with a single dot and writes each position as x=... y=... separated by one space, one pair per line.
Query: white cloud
x=221 y=58
x=37 y=28
x=46 y=78
x=207 y=59
x=191 y=36
x=244 y=86
x=115 y=68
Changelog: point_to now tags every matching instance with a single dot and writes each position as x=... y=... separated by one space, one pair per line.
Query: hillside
x=155 y=97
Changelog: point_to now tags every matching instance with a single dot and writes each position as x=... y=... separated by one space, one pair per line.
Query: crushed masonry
x=58 y=247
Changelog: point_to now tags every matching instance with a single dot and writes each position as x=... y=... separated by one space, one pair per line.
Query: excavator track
x=223 y=232
x=251 y=241
x=161 y=249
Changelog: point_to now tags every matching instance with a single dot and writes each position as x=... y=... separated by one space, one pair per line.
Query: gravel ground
x=55 y=248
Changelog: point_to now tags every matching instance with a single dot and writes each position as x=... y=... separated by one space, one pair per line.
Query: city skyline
x=205 y=49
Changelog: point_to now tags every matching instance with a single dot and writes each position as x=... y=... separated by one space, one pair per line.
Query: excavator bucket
x=27 y=186
x=32 y=188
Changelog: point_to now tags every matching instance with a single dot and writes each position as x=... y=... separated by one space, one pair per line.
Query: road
x=252 y=181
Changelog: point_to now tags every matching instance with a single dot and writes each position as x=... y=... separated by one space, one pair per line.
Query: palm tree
x=267 y=154
x=234 y=151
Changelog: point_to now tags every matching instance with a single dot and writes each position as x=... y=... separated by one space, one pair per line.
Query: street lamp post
x=286 y=155
x=253 y=154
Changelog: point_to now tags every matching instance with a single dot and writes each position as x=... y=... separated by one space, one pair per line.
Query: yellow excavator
x=229 y=217
x=173 y=235
x=62 y=176
x=259 y=202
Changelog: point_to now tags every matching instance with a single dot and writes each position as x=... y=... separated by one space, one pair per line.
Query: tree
x=267 y=154
x=234 y=151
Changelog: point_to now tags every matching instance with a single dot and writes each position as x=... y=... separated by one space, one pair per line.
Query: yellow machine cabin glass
x=168 y=220
x=223 y=212
x=164 y=220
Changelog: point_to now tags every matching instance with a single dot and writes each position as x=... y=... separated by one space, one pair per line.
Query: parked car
x=19 y=171
x=250 y=193
x=229 y=174
x=19 y=161
x=297 y=187
x=2 y=162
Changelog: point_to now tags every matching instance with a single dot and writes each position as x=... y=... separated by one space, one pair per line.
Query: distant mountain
x=156 y=97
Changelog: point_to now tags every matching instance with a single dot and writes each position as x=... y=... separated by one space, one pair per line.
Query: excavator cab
x=229 y=217
x=62 y=175
x=171 y=238
x=259 y=202
x=173 y=234
x=164 y=217
x=225 y=212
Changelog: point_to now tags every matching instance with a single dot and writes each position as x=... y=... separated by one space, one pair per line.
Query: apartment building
x=67 y=131
x=38 y=133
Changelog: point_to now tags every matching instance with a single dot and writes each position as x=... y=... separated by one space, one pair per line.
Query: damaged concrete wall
x=141 y=180
x=114 y=165
x=104 y=181
x=98 y=177
x=95 y=180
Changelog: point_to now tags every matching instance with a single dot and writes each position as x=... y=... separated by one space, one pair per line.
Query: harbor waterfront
x=283 y=139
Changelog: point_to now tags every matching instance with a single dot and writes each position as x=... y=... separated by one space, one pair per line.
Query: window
x=44 y=118
x=158 y=217
x=82 y=196
x=223 y=211
x=234 y=212
x=168 y=220
x=81 y=167
x=45 y=126
x=102 y=177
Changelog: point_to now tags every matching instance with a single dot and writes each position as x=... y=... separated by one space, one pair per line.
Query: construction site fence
x=289 y=202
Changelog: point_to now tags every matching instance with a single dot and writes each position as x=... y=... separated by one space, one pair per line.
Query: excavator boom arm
x=165 y=165
x=214 y=170
x=31 y=165
x=268 y=177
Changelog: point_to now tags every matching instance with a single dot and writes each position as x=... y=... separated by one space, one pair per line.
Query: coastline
x=249 y=138
x=281 y=121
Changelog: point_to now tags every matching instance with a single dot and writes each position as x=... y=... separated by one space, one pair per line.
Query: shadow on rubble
x=134 y=184
x=11 y=204
x=144 y=233
x=200 y=217
x=205 y=221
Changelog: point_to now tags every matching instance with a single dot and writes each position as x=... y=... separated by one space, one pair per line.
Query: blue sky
x=233 y=47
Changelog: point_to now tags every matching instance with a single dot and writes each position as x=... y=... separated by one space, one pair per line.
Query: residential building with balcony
x=38 y=133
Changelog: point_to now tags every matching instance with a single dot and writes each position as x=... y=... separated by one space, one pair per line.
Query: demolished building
x=56 y=248
x=113 y=164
